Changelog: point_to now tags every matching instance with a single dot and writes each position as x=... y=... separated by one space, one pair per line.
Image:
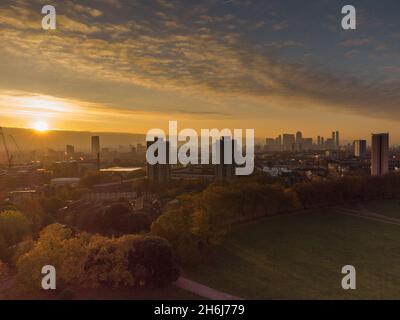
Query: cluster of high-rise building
x=224 y=170
x=360 y=148
x=297 y=143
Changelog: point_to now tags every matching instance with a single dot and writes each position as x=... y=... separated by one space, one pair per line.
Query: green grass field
x=301 y=257
x=389 y=208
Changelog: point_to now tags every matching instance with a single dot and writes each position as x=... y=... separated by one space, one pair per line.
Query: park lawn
x=388 y=208
x=301 y=256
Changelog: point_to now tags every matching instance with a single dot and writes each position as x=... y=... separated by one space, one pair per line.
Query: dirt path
x=365 y=214
x=202 y=290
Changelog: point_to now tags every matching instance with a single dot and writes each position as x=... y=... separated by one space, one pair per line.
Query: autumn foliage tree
x=83 y=260
x=56 y=246
x=200 y=221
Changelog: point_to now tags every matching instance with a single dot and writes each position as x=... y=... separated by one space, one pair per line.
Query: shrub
x=151 y=262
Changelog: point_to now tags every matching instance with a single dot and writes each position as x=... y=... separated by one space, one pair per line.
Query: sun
x=41 y=126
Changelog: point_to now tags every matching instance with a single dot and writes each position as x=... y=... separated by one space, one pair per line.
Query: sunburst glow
x=41 y=126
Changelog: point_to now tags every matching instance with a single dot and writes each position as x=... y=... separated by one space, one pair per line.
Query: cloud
x=178 y=48
x=285 y=44
x=280 y=25
x=358 y=42
x=85 y=10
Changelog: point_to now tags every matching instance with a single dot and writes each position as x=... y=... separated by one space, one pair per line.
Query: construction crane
x=17 y=146
x=9 y=157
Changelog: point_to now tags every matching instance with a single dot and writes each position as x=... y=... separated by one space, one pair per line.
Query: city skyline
x=31 y=139
x=130 y=67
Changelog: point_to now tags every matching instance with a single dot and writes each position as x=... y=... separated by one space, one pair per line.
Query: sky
x=133 y=65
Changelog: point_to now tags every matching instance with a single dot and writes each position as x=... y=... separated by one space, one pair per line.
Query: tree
x=134 y=223
x=4 y=270
x=113 y=214
x=14 y=226
x=22 y=248
x=151 y=262
x=56 y=246
x=3 y=248
x=94 y=261
x=175 y=225
x=51 y=205
x=33 y=211
x=106 y=264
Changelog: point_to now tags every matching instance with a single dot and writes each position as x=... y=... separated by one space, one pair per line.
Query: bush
x=151 y=262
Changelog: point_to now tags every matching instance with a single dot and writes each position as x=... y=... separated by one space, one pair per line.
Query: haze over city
x=129 y=66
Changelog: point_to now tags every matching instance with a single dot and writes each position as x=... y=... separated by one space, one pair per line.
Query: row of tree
x=200 y=221
x=348 y=189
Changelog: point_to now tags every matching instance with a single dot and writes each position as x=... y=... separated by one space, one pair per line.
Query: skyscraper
x=70 y=150
x=225 y=170
x=360 y=148
x=159 y=173
x=288 y=142
x=299 y=137
x=307 y=144
x=380 y=154
x=337 y=141
x=95 y=145
x=279 y=140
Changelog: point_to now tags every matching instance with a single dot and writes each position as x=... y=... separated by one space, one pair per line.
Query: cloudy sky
x=132 y=65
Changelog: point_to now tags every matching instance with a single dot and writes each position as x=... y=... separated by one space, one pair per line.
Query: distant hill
x=29 y=139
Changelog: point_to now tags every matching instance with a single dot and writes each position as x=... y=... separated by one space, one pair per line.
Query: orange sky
x=132 y=68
